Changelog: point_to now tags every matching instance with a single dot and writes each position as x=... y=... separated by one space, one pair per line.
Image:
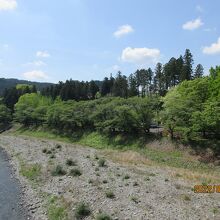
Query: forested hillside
x=182 y=101
x=9 y=83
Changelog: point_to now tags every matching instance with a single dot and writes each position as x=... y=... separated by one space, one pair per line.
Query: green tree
x=93 y=89
x=187 y=70
x=120 y=87
x=5 y=116
x=199 y=71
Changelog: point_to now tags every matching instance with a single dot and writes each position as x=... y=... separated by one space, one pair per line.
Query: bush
x=101 y=162
x=110 y=194
x=70 y=162
x=44 y=150
x=126 y=177
x=75 y=172
x=58 y=171
x=52 y=156
x=58 y=146
x=49 y=152
x=103 y=216
x=82 y=210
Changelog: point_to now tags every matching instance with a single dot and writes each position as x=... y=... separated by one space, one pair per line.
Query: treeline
x=141 y=83
x=11 y=95
x=10 y=83
x=110 y=115
x=188 y=111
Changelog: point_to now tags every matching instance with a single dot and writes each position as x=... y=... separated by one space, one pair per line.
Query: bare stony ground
x=141 y=192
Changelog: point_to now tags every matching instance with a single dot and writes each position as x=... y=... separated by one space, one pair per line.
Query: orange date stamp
x=207 y=188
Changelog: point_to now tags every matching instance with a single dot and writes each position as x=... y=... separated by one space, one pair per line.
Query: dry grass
x=127 y=157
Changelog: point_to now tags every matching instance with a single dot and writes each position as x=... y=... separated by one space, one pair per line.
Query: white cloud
x=6 y=5
x=123 y=30
x=199 y=8
x=192 y=25
x=213 y=48
x=140 y=55
x=36 y=63
x=42 y=54
x=35 y=75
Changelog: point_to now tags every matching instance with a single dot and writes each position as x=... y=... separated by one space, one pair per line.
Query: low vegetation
x=102 y=162
x=110 y=194
x=70 y=162
x=55 y=209
x=75 y=172
x=103 y=216
x=82 y=210
x=58 y=171
x=30 y=171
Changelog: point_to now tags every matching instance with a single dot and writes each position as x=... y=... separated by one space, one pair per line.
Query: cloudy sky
x=47 y=40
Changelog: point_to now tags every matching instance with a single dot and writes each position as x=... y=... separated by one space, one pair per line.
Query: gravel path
x=142 y=192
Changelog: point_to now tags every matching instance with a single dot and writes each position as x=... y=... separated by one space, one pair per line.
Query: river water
x=9 y=192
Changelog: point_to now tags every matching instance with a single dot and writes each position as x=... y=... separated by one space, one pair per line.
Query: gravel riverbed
x=140 y=192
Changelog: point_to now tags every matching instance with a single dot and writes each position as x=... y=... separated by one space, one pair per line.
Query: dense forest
x=175 y=96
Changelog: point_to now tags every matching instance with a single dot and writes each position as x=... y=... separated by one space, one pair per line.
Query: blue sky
x=89 y=39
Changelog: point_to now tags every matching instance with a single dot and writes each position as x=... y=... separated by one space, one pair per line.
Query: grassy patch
x=172 y=157
x=58 y=171
x=30 y=171
x=55 y=210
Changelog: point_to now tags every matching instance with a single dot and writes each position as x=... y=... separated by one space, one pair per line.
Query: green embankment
x=160 y=155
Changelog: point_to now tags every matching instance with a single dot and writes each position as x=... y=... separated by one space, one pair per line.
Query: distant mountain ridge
x=9 y=83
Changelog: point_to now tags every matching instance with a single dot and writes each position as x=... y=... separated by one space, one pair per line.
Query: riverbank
x=18 y=197
x=124 y=185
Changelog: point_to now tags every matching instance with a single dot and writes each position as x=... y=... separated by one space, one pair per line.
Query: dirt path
x=144 y=192
x=10 y=192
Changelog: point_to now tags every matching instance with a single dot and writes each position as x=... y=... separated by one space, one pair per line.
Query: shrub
x=110 y=194
x=82 y=210
x=70 y=162
x=75 y=172
x=52 y=156
x=58 y=146
x=126 y=177
x=44 y=150
x=58 y=171
x=49 y=152
x=101 y=162
x=103 y=216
